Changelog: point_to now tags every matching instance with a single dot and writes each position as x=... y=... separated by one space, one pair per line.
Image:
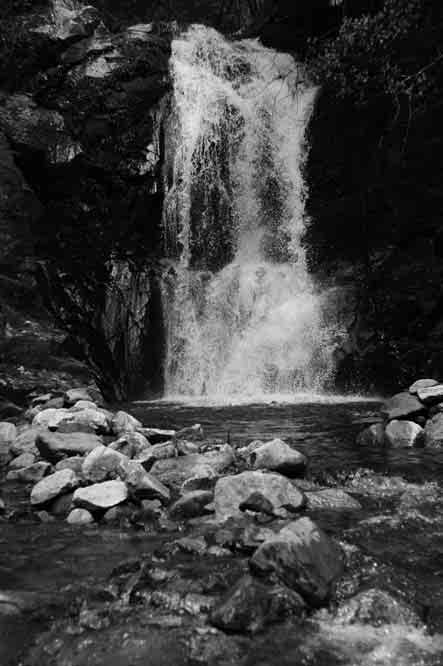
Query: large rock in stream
x=277 y=456
x=402 y=406
x=278 y=493
x=404 y=434
x=101 y=496
x=173 y=472
x=303 y=557
x=55 y=446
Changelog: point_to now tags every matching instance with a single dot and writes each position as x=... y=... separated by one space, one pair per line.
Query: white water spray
x=242 y=315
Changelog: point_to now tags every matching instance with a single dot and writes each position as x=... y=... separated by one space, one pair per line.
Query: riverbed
x=395 y=542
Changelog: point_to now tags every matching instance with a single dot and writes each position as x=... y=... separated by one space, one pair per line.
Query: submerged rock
x=303 y=557
x=101 y=496
x=401 y=434
x=232 y=491
x=402 y=406
x=54 y=485
x=55 y=446
x=252 y=605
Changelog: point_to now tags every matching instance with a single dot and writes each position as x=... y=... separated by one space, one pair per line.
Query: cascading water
x=241 y=312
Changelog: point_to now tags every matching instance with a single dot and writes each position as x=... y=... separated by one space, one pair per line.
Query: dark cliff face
x=81 y=122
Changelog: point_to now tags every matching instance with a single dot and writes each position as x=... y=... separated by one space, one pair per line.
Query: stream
x=394 y=543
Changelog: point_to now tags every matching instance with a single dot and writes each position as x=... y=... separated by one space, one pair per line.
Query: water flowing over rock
x=242 y=315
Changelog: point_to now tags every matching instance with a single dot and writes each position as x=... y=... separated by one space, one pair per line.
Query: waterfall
x=242 y=316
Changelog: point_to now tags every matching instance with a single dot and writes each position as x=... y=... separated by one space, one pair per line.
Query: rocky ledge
x=411 y=418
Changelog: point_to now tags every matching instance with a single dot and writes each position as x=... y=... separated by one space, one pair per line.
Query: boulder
x=173 y=472
x=186 y=448
x=54 y=446
x=251 y=605
x=26 y=442
x=123 y=422
x=81 y=405
x=88 y=394
x=102 y=464
x=75 y=463
x=421 y=384
x=331 y=499
x=93 y=420
x=245 y=451
x=149 y=457
x=372 y=436
x=25 y=460
x=431 y=395
x=434 y=431
x=377 y=608
x=194 y=432
x=156 y=436
x=131 y=444
x=80 y=517
x=8 y=435
x=32 y=474
x=101 y=496
x=403 y=434
x=277 y=456
x=54 y=485
x=41 y=399
x=192 y=504
x=304 y=558
x=232 y=491
x=141 y=484
x=402 y=406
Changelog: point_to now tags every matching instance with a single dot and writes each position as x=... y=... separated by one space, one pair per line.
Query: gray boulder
x=232 y=491
x=173 y=472
x=192 y=505
x=102 y=464
x=277 y=456
x=141 y=484
x=194 y=432
x=54 y=485
x=402 y=406
x=431 y=395
x=123 y=422
x=32 y=474
x=93 y=420
x=131 y=444
x=75 y=463
x=88 y=394
x=25 y=460
x=251 y=605
x=304 y=558
x=421 y=384
x=403 y=434
x=80 y=517
x=54 y=446
x=101 y=496
x=156 y=436
x=372 y=436
x=26 y=442
x=434 y=431
x=8 y=435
